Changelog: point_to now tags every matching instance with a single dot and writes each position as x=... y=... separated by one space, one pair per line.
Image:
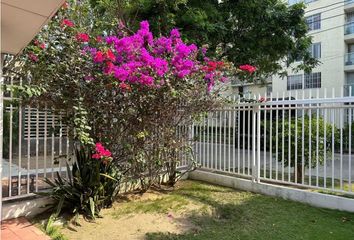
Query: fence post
x=1 y=127
x=256 y=143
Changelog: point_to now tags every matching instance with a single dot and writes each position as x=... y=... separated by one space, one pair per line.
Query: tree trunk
x=299 y=173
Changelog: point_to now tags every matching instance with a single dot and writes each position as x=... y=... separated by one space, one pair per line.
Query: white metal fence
x=35 y=146
x=297 y=140
x=304 y=142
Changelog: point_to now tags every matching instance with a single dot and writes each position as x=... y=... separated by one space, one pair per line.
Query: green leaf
x=109 y=177
x=92 y=207
x=60 y=206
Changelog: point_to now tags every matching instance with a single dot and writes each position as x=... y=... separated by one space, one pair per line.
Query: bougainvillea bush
x=128 y=89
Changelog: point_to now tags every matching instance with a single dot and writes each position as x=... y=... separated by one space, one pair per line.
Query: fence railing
x=35 y=146
x=301 y=142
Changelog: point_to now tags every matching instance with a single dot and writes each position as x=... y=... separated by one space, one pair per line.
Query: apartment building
x=331 y=26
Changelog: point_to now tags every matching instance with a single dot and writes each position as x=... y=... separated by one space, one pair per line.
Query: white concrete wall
x=312 y=198
x=27 y=207
x=258 y=90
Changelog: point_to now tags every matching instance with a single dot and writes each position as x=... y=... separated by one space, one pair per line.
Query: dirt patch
x=135 y=215
x=128 y=227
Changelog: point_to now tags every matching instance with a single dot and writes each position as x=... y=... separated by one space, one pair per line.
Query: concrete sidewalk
x=21 y=229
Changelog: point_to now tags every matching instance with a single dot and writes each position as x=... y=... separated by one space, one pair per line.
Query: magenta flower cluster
x=101 y=152
x=144 y=60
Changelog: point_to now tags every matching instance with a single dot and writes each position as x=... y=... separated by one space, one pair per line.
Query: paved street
x=224 y=155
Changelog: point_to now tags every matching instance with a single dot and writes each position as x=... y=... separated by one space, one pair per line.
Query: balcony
x=349 y=32
x=349 y=62
x=349 y=90
x=348 y=5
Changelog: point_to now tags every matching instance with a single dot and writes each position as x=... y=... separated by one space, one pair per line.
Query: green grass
x=48 y=228
x=244 y=215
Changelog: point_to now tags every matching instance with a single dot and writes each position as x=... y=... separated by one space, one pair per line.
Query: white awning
x=21 y=20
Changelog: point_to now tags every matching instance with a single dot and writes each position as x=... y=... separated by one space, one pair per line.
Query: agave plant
x=91 y=184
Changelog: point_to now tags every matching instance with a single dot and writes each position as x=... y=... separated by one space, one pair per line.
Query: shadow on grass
x=243 y=215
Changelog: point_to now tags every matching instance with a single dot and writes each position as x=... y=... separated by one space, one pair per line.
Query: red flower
x=101 y=152
x=109 y=68
x=110 y=55
x=42 y=45
x=262 y=99
x=66 y=23
x=65 y=5
x=96 y=156
x=213 y=66
x=82 y=37
x=98 y=58
x=125 y=87
x=99 y=39
x=248 y=68
x=33 y=57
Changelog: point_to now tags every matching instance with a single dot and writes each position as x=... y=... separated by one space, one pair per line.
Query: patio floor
x=21 y=229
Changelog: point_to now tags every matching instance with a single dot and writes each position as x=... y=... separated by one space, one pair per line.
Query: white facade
x=331 y=27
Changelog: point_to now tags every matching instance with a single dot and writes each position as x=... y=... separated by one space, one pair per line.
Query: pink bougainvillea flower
x=82 y=37
x=183 y=73
x=121 y=74
x=88 y=78
x=139 y=59
x=144 y=25
x=33 y=57
x=223 y=79
x=146 y=80
x=175 y=33
x=66 y=23
x=248 y=68
x=42 y=45
x=98 y=57
x=112 y=39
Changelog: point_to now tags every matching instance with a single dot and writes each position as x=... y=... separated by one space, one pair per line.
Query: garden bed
x=196 y=210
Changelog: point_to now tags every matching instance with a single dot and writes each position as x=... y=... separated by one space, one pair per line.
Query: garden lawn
x=196 y=210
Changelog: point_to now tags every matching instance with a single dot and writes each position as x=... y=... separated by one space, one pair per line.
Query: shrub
x=129 y=90
x=311 y=156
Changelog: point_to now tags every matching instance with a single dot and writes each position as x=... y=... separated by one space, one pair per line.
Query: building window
x=314 y=22
x=294 y=82
x=292 y=2
x=269 y=89
x=313 y=80
x=315 y=50
x=349 y=17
